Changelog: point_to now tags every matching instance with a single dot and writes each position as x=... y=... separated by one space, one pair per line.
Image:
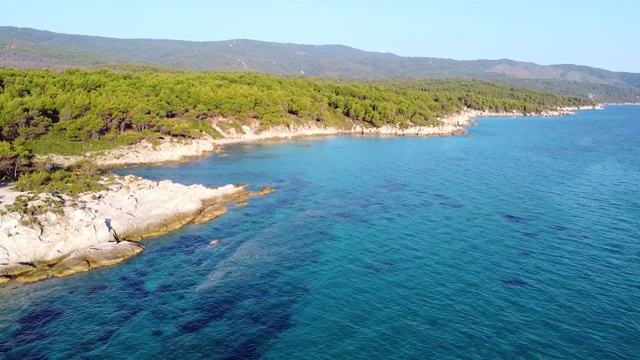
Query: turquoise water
x=519 y=241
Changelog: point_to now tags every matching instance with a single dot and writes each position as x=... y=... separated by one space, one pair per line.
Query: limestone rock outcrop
x=97 y=229
x=453 y=124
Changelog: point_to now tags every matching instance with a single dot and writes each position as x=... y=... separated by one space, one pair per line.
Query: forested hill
x=29 y=48
x=71 y=112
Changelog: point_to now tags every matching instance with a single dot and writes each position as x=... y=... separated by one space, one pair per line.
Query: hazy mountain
x=23 y=47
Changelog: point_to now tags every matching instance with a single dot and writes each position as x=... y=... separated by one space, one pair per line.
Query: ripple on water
x=514 y=282
x=407 y=256
x=97 y=288
x=452 y=205
x=516 y=219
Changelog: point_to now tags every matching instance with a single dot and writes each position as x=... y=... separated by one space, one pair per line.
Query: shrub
x=80 y=177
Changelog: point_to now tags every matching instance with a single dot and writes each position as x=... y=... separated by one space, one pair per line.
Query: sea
x=520 y=240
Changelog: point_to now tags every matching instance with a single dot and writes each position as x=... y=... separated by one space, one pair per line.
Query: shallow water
x=519 y=241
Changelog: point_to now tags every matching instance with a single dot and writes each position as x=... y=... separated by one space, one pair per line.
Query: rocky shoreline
x=69 y=235
x=169 y=151
x=101 y=229
x=451 y=125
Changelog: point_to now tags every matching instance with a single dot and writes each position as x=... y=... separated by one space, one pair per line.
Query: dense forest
x=600 y=93
x=73 y=111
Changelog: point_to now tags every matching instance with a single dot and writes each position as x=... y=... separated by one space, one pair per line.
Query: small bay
x=520 y=240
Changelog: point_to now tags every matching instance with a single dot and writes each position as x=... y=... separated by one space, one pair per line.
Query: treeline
x=483 y=94
x=600 y=93
x=77 y=110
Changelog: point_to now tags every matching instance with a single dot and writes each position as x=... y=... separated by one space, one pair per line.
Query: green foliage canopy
x=78 y=110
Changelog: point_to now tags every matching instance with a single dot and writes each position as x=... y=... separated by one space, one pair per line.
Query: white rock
x=132 y=207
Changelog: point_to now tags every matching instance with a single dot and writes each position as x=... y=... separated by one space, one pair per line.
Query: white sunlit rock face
x=96 y=229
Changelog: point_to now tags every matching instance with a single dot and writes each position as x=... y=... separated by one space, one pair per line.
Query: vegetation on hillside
x=78 y=110
x=29 y=48
x=483 y=94
x=600 y=93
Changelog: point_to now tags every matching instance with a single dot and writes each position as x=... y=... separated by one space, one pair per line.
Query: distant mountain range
x=29 y=48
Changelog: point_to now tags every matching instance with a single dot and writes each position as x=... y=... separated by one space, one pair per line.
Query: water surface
x=518 y=241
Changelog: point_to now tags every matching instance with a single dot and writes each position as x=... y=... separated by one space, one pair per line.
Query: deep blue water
x=521 y=240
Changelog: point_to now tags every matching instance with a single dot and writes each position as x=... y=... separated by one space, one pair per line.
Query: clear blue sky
x=603 y=34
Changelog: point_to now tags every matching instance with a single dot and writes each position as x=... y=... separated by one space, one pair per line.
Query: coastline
x=168 y=151
x=171 y=151
x=101 y=229
x=452 y=125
